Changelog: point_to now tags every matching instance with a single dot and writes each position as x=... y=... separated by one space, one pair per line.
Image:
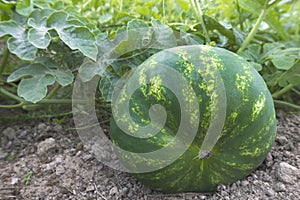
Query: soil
x=44 y=160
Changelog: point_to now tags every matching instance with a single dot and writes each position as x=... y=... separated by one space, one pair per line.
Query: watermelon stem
x=284 y=103
x=4 y=60
x=199 y=14
x=254 y=29
x=282 y=91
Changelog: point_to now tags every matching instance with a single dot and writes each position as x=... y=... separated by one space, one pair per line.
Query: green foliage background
x=44 y=43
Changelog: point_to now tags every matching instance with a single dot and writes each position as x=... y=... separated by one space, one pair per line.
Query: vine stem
x=297 y=28
x=11 y=95
x=199 y=14
x=53 y=92
x=296 y=91
x=164 y=11
x=282 y=91
x=22 y=102
x=240 y=15
x=254 y=29
x=121 y=6
x=12 y=106
x=4 y=60
x=284 y=103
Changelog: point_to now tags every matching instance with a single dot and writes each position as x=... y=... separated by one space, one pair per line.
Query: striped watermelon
x=221 y=150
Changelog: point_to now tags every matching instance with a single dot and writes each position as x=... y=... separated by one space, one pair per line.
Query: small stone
x=256 y=182
x=202 y=197
x=60 y=170
x=279 y=187
x=23 y=134
x=78 y=153
x=233 y=186
x=270 y=192
x=90 y=188
x=286 y=173
x=50 y=166
x=87 y=157
x=130 y=194
x=14 y=181
x=269 y=157
x=42 y=126
x=58 y=128
x=9 y=132
x=125 y=190
x=245 y=183
x=281 y=139
x=110 y=174
x=79 y=146
x=113 y=191
x=3 y=154
x=45 y=146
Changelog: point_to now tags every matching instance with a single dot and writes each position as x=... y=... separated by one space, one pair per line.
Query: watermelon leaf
x=76 y=37
x=34 y=89
x=20 y=46
x=283 y=62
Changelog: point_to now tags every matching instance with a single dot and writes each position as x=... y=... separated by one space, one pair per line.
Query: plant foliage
x=45 y=43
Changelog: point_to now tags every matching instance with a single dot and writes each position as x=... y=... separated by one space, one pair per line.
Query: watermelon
x=192 y=117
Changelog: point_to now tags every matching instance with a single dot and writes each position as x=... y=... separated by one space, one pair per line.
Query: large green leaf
x=34 y=89
x=76 y=37
x=38 y=35
x=163 y=35
x=89 y=69
x=18 y=43
x=283 y=62
x=10 y=28
x=132 y=39
x=213 y=24
x=39 y=38
x=20 y=46
x=24 y=7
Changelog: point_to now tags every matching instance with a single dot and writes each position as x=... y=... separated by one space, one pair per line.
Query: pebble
x=279 y=187
x=113 y=191
x=3 y=154
x=270 y=192
x=269 y=159
x=87 y=157
x=45 y=146
x=233 y=186
x=9 y=132
x=125 y=190
x=60 y=170
x=281 y=139
x=286 y=173
x=23 y=134
x=130 y=194
x=245 y=183
x=90 y=188
x=58 y=128
x=78 y=153
x=57 y=160
x=42 y=126
x=14 y=181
